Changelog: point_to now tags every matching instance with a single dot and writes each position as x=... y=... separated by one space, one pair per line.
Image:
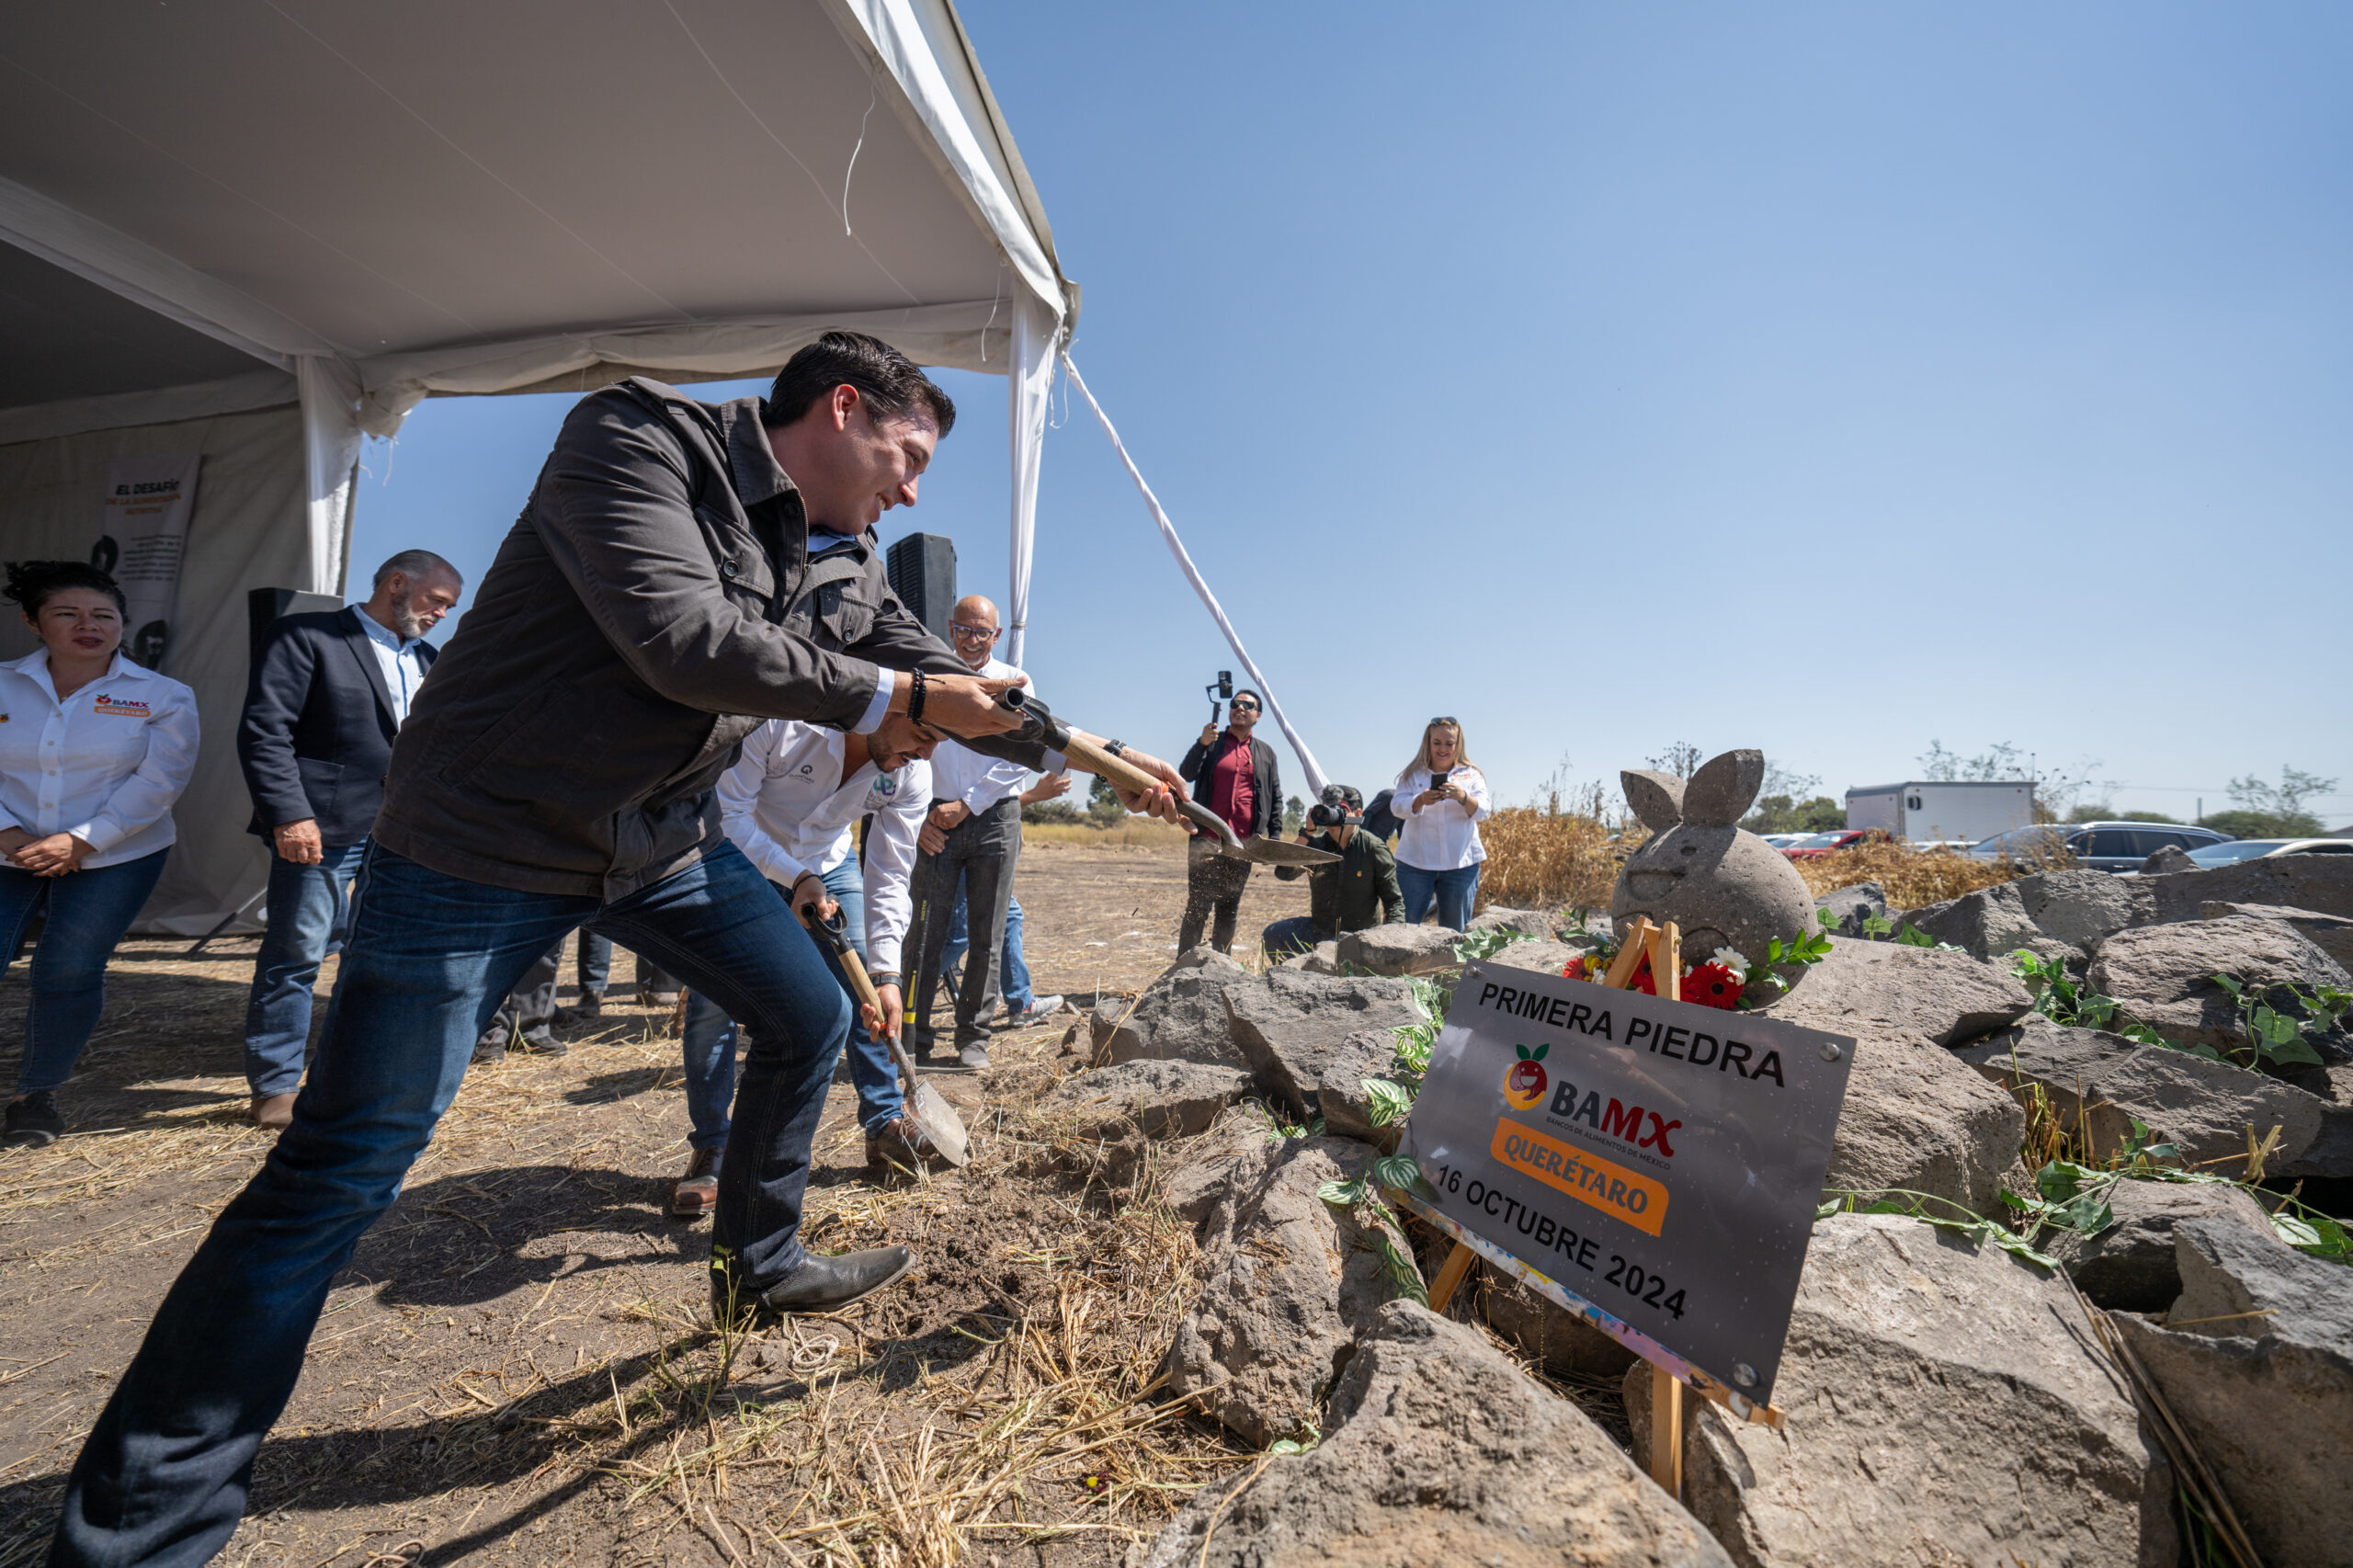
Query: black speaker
x=265 y=604
x=922 y=569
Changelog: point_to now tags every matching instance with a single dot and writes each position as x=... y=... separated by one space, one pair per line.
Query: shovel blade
x=940 y=1123
x=1277 y=852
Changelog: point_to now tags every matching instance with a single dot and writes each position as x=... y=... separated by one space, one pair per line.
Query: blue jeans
x=88 y=913
x=711 y=1038
x=1456 y=891
x=1016 y=973
x=164 y=1475
x=308 y=912
x=595 y=965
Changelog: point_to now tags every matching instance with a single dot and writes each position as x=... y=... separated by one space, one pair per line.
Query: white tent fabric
x=332 y=210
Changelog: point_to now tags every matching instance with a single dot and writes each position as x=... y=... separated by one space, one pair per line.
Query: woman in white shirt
x=93 y=750
x=1440 y=798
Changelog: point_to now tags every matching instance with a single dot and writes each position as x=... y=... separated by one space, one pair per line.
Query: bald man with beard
x=971 y=839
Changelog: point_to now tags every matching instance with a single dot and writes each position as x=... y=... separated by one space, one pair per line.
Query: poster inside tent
x=142 y=534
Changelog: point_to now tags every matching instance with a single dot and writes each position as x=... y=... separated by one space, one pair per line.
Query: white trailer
x=1946 y=810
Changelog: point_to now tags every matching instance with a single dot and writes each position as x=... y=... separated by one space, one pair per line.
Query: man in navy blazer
x=326 y=695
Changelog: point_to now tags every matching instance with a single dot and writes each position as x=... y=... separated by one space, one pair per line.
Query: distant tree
x=2002 y=761
x=1779 y=814
x=1682 y=759
x=2143 y=816
x=2273 y=810
x=1294 y=812
x=1051 y=812
x=1103 y=807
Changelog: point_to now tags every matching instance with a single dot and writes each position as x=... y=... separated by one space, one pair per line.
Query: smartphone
x=1439 y=778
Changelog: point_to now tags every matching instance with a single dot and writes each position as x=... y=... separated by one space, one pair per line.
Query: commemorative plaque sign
x=1657 y=1161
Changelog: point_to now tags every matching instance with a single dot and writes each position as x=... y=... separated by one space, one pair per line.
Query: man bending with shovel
x=681 y=573
x=790 y=804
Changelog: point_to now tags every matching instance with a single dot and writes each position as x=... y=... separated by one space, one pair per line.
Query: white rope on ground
x=1315 y=780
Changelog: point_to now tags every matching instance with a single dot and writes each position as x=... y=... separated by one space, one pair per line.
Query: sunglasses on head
x=1448 y=720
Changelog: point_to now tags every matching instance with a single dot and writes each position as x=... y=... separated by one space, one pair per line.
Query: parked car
x=1785 y=840
x=2232 y=851
x=2097 y=845
x=1815 y=845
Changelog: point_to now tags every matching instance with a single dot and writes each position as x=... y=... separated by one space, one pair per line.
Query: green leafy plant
x=1807 y=947
x=1388 y=1102
x=1362 y=1197
x=1298 y=1444
x=1473 y=945
x=1876 y=925
x=2275 y=1036
x=1279 y=1128
x=2067 y=1197
x=2058 y=998
x=1902 y=1200
x=1413 y=1042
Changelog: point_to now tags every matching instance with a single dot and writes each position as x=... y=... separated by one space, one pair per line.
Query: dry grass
x=1136 y=832
x=1537 y=860
x=1914 y=879
x=1055 y=1427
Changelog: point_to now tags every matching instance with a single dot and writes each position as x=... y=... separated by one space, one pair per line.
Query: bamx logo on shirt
x=120 y=707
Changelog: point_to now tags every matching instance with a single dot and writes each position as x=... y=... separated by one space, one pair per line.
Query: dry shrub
x=1136 y=832
x=1914 y=879
x=1537 y=860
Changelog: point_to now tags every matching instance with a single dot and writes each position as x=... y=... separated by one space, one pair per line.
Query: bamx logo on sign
x=1628 y=1124
x=1524 y=1084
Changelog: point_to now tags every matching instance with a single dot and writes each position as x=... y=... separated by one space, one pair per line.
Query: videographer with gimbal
x=1357 y=890
x=1236 y=777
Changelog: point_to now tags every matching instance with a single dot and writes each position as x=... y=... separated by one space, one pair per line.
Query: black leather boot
x=819 y=1285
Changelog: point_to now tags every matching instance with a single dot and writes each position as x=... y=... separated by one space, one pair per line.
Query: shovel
x=1259 y=850
x=932 y=1112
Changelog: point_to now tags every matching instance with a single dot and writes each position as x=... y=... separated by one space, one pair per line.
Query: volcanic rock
x=2084 y=909
x=2164 y=974
x=1291 y=1280
x=1990 y=924
x=1886 y=991
x=2131 y=1266
x=2259 y=1369
x=1181 y=1017
x=1399 y=949
x=1849 y=907
x=2099 y=1083
x=1441 y=1452
x=1944 y=1404
x=1291 y=1026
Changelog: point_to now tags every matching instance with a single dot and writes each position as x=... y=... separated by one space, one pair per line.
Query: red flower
x=1712 y=986
x=1574 y=969
x=1641 y=979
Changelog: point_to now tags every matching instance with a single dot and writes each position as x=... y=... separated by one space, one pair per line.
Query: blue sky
x=1827 y=379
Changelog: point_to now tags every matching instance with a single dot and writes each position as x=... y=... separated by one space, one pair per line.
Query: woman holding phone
x=94 y=749
x=1440 y=798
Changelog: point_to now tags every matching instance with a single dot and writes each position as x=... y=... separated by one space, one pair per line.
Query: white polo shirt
x=960 y=773
x=787 y=806
x=1445 y=837
x=104 y=765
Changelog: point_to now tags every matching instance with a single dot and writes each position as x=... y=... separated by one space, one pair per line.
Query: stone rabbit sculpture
x=1723 y=887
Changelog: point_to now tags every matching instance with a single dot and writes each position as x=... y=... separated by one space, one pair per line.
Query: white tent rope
x=1315 y=780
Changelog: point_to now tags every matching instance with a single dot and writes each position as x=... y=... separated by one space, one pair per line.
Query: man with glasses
x=971 y=841
x=1235 y=776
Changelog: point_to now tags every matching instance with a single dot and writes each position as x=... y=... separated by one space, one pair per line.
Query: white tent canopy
x=261 y=229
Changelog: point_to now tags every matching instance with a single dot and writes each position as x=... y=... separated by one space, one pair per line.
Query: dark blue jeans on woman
x=164 y=1475
x=1455 y=891
x=88 y=913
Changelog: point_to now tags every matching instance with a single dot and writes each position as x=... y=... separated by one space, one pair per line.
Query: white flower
x=1730 y=958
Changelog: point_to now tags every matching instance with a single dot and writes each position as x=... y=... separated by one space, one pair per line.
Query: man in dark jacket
x=1357 y=890
x=326 y=697
x=681 y=573
x=1235 y=773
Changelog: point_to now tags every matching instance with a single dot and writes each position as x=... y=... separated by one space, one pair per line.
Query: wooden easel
x=1664 y=943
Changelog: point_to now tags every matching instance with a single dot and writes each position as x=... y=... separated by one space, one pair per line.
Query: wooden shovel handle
x=1136 y=781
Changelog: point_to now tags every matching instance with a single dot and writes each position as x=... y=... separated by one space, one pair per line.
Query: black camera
x=1220 y=689
x=1338 y=806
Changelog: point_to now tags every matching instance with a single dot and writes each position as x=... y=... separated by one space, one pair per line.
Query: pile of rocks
x=1943 y=1402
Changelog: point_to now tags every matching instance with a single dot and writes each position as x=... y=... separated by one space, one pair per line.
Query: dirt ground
x=520 y=1366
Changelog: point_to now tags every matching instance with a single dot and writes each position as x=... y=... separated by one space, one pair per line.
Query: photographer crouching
x=1357 y=890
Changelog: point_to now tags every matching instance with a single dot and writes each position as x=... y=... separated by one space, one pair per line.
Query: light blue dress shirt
x=404 y=666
